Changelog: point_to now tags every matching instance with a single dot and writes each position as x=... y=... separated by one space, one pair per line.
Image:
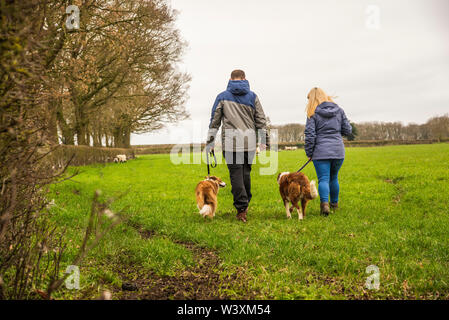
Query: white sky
x=399 y=72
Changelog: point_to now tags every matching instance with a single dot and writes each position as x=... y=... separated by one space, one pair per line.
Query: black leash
x=305 y=165
x=214 y=165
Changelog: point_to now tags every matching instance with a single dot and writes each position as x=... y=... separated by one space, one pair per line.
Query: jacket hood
x=327 y=109
x=238 y=87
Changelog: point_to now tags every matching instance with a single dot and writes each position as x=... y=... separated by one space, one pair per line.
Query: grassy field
x=394 y=214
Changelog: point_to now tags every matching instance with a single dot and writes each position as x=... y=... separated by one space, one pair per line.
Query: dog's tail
x=313 y=189
x=206 y=211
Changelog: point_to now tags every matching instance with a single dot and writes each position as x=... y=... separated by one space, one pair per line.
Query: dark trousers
x=239 y=166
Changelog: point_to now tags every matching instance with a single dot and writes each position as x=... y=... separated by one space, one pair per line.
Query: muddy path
x=205 y=280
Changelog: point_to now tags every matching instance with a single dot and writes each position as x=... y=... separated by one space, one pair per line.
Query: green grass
x=394 y=214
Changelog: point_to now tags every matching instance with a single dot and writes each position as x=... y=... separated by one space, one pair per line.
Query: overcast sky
x=392 y=69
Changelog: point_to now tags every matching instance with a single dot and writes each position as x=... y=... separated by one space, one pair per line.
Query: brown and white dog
x=295 y=187
x=206 y=195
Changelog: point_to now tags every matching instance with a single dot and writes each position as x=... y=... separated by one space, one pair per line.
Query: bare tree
x=121 y=66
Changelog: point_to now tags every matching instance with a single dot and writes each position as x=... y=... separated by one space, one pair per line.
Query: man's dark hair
x=238 y=74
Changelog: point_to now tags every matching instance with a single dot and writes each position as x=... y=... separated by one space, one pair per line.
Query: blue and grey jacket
x=324 y=131
x=239 y=110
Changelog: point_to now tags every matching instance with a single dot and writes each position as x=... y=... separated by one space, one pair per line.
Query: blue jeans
x=327 y=172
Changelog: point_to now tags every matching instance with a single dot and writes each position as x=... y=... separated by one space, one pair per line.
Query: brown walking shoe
x=324 y=209
x=334 y=206
x=241 y=215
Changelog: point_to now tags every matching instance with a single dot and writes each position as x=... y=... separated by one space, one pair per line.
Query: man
x=244 y=122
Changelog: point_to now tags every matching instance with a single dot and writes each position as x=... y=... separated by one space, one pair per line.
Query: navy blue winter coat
x=239 y=112
x=324 y=131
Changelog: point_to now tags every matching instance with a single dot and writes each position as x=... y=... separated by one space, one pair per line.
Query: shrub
x=85 y=155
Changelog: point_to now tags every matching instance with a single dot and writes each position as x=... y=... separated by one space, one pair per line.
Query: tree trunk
x=117 y=133
x=66 y=131
x=52 y=128
x=107 y=140
x=81 y=134
x=122 y=136
x=81 y=126
x=127 y=137
x=96 y=137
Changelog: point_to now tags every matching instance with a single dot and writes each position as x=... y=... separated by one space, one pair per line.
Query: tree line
x=113 y=74
x=435 y=128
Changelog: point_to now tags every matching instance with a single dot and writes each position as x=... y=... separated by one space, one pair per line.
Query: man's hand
x=263 y=147
x=209 y=149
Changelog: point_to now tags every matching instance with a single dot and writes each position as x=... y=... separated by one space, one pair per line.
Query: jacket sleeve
x=215 y=122
x=310 y=133
x=346 y=128
x=261 y=123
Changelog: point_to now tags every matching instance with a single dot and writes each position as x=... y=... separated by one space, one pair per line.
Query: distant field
x=166 y=148
x=394 y=214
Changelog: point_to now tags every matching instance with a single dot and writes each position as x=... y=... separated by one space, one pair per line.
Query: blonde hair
x=316 y=97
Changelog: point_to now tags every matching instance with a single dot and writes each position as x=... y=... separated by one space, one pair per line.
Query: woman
x=326 y=124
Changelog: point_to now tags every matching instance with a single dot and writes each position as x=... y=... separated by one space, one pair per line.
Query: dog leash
x=214 y=165
x=305 y=165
